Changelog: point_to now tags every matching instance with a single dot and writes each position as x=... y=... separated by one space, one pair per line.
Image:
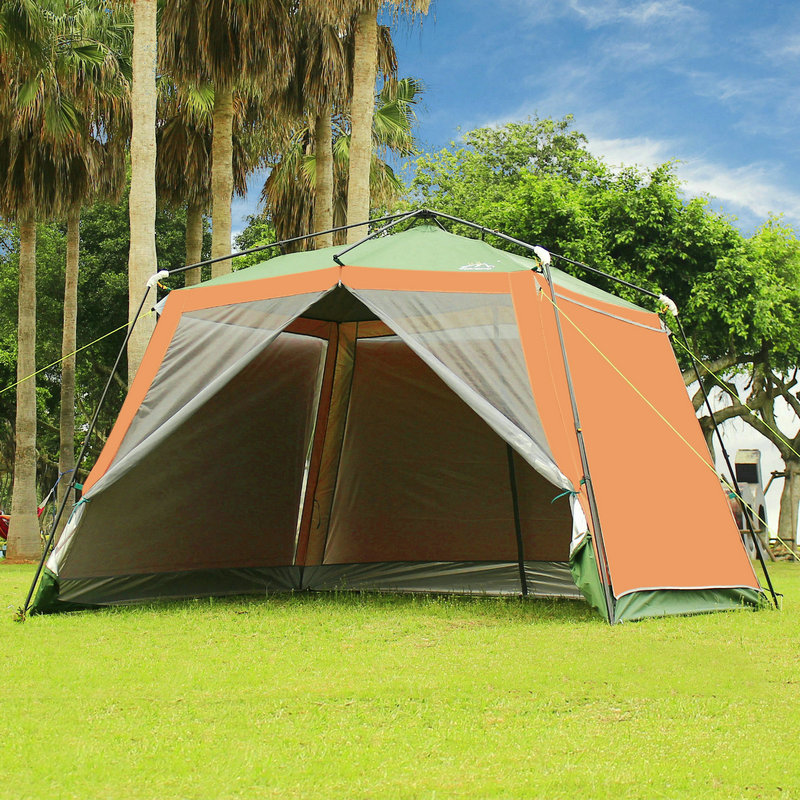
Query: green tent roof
x=423 y=247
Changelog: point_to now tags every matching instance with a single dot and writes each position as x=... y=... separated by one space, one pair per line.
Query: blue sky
x=710 y=84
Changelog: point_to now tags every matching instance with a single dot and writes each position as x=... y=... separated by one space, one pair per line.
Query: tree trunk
x=142 y=261
x=194 y=241
x=323 y=194
x=221 y=179
x=790 y=497
x=361 y=111
x=66 y=452
x=23 y=538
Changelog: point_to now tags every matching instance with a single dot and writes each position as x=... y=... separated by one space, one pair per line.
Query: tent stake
x=731 y=470
x=79 y=460
x=512 y=476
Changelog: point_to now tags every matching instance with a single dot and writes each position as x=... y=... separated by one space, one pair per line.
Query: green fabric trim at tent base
x=583 y=565
x=669 y=602
x=630 y=607
x=47 y=600
x=656 y=602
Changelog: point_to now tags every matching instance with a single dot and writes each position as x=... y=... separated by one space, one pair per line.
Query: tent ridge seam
x=608 y=314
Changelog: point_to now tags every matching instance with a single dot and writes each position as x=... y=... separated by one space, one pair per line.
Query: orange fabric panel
x=320 y=430
x=261 y=289
x=412 y=280
x=310 y=327
x=665 y=519
x=368 y=330
x=539 y=337
x=338 y=401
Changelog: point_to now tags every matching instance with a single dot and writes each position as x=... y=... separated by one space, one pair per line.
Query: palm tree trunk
x=66 y=452
x=194 y=241
x=221 y=179
x=142 y=260
x=23 y=538
x=361 y=111
x=323 y=194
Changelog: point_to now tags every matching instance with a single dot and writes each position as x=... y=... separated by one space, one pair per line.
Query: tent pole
x=512 y=476
x=282 y=242
x=745 y=508
x=531 y=247
x=396 y=221
x=605 y=574
x=79 y=460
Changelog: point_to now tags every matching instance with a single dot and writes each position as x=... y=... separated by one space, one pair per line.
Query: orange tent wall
x=665 y=520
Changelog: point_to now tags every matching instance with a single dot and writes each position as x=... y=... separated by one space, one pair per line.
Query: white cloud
x=596 y=13
x=613 y=12
x=641 y=151
x=776 y=44
x=754 y=190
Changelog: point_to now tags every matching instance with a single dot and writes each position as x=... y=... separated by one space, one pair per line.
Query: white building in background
x=739 y=436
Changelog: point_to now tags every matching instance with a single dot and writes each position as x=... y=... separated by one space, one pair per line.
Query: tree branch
x=717 y=365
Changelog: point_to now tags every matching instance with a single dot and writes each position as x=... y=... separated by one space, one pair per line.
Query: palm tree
x=363 y=103
x=183 y=157
x=142 y=259
x=319 y=86
x=104 y=102
x=43 y=148
x=237 y=45
x=289 y=193
x=304 y=189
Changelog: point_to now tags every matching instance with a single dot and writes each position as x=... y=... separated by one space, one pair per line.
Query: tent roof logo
x=477 y=267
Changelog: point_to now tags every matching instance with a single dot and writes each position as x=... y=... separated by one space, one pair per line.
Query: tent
x=401 y=416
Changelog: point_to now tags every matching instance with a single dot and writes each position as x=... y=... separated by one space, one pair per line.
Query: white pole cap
x=154 y=279
x=543 y=255
x=668 y=304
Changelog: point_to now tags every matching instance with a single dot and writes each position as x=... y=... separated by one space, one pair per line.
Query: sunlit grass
x=360 y=696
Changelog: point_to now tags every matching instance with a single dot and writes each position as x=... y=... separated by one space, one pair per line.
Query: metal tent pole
x=512 y=476
x=82 y=454
x=603 y=569
x=731 y=470
x=282 y=242
x=395 y=221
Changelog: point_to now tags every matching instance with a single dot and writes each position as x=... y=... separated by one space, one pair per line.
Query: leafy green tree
x=744 y=317
x=52 y=139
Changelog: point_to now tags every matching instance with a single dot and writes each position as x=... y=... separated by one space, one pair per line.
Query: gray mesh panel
x=471 y=342
x=208 y=349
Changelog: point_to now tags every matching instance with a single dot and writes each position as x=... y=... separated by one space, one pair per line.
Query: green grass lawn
x=326 y=696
